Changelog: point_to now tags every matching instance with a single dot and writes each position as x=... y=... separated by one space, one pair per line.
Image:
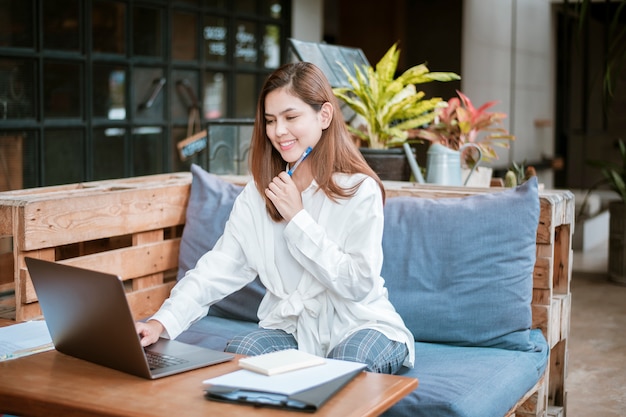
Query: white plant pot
x=480 y=178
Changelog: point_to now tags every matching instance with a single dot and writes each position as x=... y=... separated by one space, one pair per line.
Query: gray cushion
x=211 y=200
x=470 y=381
x=459 y=270
x=453 y=381
x=215 y=332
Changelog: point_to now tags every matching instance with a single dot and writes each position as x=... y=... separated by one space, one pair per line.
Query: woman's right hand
x=285 y=196
x=149 y=332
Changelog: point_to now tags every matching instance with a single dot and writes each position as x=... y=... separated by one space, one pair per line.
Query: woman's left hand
x=284 y=193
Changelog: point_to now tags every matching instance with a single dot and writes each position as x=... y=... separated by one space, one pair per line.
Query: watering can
x=443 y=165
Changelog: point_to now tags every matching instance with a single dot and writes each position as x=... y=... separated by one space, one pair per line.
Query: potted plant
x=518 y=174
x=614 y=175
x=458 y=122
x=389 y=107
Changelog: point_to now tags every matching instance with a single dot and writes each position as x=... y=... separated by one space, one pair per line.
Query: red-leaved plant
x=458 y=122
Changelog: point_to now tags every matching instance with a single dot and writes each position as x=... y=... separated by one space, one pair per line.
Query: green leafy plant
x=614 y=57
x=390 y=107
x=519 y=170
x=458 y=122
x=614 y=174
x=518 y=174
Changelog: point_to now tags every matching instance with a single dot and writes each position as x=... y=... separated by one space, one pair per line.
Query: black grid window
x=99 y=89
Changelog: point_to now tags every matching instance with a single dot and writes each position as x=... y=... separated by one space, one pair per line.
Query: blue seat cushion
x=214 y=332
x=454 y=381
x=470 y=381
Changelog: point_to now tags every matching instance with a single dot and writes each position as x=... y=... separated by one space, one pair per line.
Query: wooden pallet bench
x=132 y=227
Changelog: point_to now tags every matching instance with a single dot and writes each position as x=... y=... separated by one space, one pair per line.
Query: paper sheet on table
x=287 y=383
x=24 y=339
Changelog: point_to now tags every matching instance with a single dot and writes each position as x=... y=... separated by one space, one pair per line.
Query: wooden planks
x=45 y=222
x=130 y=227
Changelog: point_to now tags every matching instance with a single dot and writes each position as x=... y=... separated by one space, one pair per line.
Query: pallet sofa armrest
x=551 y=299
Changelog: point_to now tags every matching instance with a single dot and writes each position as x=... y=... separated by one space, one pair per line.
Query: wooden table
x=51 y=383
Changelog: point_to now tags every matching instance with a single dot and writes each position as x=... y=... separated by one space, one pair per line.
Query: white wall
x=507 y=56
x=307 y=20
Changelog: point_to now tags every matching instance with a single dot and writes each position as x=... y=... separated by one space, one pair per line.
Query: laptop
x=88 y=317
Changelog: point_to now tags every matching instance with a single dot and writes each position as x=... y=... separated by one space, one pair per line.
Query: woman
x=310 y=228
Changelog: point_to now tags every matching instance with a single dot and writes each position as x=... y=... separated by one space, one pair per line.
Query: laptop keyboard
x=160 y=360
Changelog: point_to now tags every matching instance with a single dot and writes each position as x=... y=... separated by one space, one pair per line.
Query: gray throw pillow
x=460 y=270
x=211 y=200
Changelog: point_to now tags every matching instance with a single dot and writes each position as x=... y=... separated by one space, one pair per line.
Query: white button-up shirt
x=321 y=270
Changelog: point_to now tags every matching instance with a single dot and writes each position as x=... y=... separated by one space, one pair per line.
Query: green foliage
x=613 y=174
x=519 y=171
x=390 y=106
x=458 y=122
x=614 y=57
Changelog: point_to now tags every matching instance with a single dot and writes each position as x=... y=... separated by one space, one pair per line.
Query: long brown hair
x=335 y=151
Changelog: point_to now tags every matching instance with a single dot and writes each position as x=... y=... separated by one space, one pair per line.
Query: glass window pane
x=228 y=148
x=222 y=149
x=215 y=100
x=216 y=4
x=147 y=31
x=215 y=34
x=190 y=2
x=149 y=90
x=246 y=6
x=62 y=84
x=109 y=92
x=16 y=24
x=184 y=36
x=271 y=46
x=109 y=27
x=147 y=150
x=17 y=89
x=63 y=156
x=108 y=153
x=185 y=96
x=61 y=25
x=272 y=8
x=30 y=152
x=245 y=43
x=245 y=96
x=243 y=143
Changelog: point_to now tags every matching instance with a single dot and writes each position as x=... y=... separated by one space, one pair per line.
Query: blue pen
x=299 y=161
